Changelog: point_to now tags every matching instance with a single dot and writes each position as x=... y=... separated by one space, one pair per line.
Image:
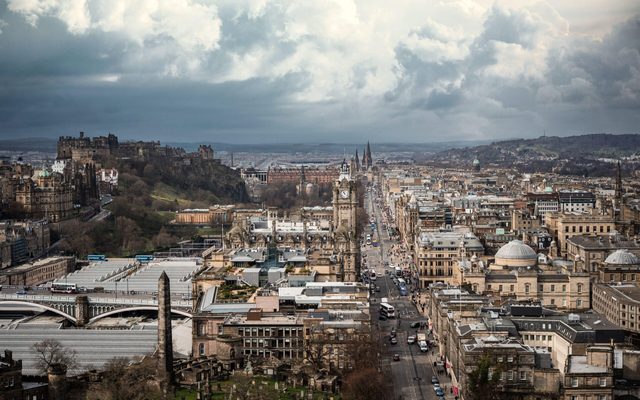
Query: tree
x=482 y=384
x=364 y=384
x=124 y=380
x=50 y=351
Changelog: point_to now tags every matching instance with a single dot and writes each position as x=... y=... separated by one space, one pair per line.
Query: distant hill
x=575 y=155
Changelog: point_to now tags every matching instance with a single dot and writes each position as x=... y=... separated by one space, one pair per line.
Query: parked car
x=394 y=340
x=436 y=386
x=439 y=392
x=396 y=357
x=411 y=339
x=21 y=292
x=382 y=318
x=434 y=380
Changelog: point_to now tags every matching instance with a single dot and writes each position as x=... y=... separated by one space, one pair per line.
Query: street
x=411 y=375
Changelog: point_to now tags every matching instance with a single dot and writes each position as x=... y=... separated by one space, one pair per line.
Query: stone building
x=592 y=252
x=214 y=215
x=619 y=303
x=48 y=196
x=37 y=272
x=566 y=225
x=518 y=272
x=590 y=376
x=11 y=385
x=438 y=253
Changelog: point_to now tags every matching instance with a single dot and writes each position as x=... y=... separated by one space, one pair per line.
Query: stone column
x=165 y=342
x=82 y=310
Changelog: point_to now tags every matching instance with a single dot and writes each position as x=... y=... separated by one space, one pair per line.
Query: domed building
x=620 y=266
x=516 y=254
x=519 y=272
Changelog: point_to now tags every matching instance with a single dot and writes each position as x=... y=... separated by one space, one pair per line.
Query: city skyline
x=343 y=72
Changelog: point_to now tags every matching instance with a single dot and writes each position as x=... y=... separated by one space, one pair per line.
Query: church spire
x=357 y=161
x=369 y=160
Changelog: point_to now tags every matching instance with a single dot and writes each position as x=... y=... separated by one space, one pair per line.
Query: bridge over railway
x=83 y=309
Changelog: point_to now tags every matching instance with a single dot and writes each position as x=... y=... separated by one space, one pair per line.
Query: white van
x=423 y=346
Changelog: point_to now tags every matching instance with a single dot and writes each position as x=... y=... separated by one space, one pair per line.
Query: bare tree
x=126 y=380
x=50 y=351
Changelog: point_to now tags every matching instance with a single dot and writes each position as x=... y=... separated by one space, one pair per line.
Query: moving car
x=411 y=339
x=423 y=346
x=394 y=340
x=396 y=357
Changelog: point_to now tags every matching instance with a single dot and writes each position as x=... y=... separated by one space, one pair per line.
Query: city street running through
x=411 y=375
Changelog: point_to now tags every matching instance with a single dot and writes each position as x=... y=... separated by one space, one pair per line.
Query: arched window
x=527 y=288
x=579 y=288
x=201 y=349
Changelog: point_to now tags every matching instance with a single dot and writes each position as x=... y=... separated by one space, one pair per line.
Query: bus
x=387 y=310
x=96 y=257
x=59 y=287
x=144 y=258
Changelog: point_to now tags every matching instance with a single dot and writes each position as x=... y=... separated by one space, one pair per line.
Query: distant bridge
x=83 y=309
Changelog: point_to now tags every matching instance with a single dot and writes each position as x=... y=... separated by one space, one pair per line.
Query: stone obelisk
x=165 y=341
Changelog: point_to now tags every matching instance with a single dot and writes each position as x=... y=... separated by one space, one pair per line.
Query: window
x=523 y=375
x=579 y=288
x=553 y=302
x=511 y=288
x=603 y=381
x=527 y=288
x=553 y=288
x=500 y=358
x=510 y=359
x=579 y=303
x=510 y=375
x=564 y=288
x=201 y=349
x=574 y=382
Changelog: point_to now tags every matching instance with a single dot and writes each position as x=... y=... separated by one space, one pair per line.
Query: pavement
x=411 y=375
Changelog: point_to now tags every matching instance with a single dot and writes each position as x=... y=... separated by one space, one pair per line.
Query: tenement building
x=619 y=303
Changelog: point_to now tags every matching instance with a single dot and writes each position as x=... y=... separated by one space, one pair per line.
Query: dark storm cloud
x=310 y=72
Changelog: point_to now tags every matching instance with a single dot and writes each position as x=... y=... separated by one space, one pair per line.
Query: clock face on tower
x=344 y=194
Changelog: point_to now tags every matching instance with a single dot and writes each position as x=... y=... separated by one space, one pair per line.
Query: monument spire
x=165 y=341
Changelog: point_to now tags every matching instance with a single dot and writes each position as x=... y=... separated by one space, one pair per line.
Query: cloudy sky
x=243 y=71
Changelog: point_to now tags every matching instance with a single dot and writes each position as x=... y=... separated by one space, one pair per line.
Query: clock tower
x=345 y=205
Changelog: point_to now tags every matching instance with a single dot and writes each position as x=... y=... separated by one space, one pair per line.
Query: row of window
x=270 y=332
x=575 y=382
x=587 y=229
